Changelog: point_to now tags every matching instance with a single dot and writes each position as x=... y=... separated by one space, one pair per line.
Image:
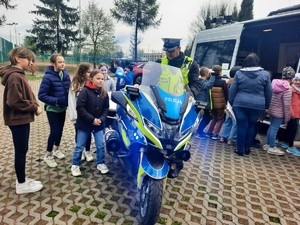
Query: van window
x=214 y=53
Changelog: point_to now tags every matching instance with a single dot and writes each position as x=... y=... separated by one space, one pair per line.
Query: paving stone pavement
x=215 y=187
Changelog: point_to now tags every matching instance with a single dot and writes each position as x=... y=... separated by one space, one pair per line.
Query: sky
x=177 y=16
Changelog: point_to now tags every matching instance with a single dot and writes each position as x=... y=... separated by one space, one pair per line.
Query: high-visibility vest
x=185 y=68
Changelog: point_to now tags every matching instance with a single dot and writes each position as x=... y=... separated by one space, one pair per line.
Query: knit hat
x=288 y=73
x=297 y=76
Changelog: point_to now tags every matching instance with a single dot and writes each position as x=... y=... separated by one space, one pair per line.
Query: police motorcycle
x=154 y=124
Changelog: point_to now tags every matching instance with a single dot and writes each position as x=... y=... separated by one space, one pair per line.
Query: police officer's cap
x=170 y=44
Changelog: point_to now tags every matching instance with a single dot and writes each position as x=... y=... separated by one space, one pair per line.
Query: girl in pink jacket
x=279 y=110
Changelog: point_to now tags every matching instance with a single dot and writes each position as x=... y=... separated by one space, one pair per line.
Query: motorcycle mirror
x=133 y=92
x=118 y=98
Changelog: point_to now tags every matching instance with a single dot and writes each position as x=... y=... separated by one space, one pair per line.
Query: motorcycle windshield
x=169 y=89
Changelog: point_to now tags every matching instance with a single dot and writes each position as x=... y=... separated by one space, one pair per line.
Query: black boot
x=239 y=153
x=247 y=151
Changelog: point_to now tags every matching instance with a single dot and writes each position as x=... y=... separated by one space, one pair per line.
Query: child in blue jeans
x=228 y=131
x=92 y=108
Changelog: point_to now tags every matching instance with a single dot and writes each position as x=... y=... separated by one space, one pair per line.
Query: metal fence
x=5 y=47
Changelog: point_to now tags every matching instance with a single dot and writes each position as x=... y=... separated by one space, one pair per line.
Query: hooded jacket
x=19 y=102
x=281 y=100
x=90 y=105
x=251 y=88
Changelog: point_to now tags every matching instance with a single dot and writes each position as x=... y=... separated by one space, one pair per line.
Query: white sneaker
x=102 y=168
x=266 y=147
x=49 y=159
x=75 y=170
x=275 y=151
x=28 y=187
x=30 y=180
x=58 y=154
x=88 y=156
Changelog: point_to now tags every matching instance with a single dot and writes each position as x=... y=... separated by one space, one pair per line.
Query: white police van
x=275 y=39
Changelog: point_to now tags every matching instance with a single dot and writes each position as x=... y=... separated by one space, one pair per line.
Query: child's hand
x=38 y=111
x=97 y=122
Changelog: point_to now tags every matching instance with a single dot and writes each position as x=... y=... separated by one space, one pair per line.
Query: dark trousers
x=20 y=135
x=56 y=122
x=246 y=119
x=204 y=121
x=290 y=132
x=88 y=141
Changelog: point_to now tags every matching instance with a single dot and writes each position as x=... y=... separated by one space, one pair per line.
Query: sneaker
x=102 y=168
x=294 y=151
x=266 y=147
x=208 y=135
x=58 y=154
x=30 y=180
x=28 y=186
x=215 y=137
x=275 y=151
x=49 y=159
x=75 y=170
x=282 y=145
x=88 y=156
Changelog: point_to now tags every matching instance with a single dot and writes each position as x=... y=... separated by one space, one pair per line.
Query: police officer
x=189 y=67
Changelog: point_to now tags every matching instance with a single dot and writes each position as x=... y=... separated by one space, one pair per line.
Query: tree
x=132 y=44
x=235 y=13
x=138 y=13
x=99 y=29
x=56 y=29
x=7 y=5
x=246 y=12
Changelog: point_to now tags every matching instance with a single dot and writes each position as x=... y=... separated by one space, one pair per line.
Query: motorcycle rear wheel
x=151 y=194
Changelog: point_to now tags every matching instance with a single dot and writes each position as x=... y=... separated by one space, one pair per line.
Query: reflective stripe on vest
x=185 y=68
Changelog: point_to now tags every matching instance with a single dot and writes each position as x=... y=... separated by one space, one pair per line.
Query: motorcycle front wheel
x=151 y=194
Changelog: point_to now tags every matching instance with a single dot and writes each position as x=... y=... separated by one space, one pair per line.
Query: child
x=82 y=75
x=19 y=108
x=128 y=78
x=53 y=92
x=109 y=83
x=228 y=130
x=206 y=82
x=279 y=109
x=219 y=96
x=119 y=74
x=92 y=109
x=292 y=125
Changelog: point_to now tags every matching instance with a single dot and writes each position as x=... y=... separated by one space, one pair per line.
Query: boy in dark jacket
x=206 y=82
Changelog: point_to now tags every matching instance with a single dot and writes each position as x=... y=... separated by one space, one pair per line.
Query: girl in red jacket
x=292 y=125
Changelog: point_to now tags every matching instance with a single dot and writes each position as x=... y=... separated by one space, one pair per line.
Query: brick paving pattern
x=215 y=187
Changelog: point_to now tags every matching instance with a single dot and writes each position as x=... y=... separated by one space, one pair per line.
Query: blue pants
x=273 y=129
x=246 y=119
x=82 y=137
x=228 y=129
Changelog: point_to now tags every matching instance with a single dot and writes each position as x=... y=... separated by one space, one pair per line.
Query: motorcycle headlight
x=153 y=128
x=179 y=136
